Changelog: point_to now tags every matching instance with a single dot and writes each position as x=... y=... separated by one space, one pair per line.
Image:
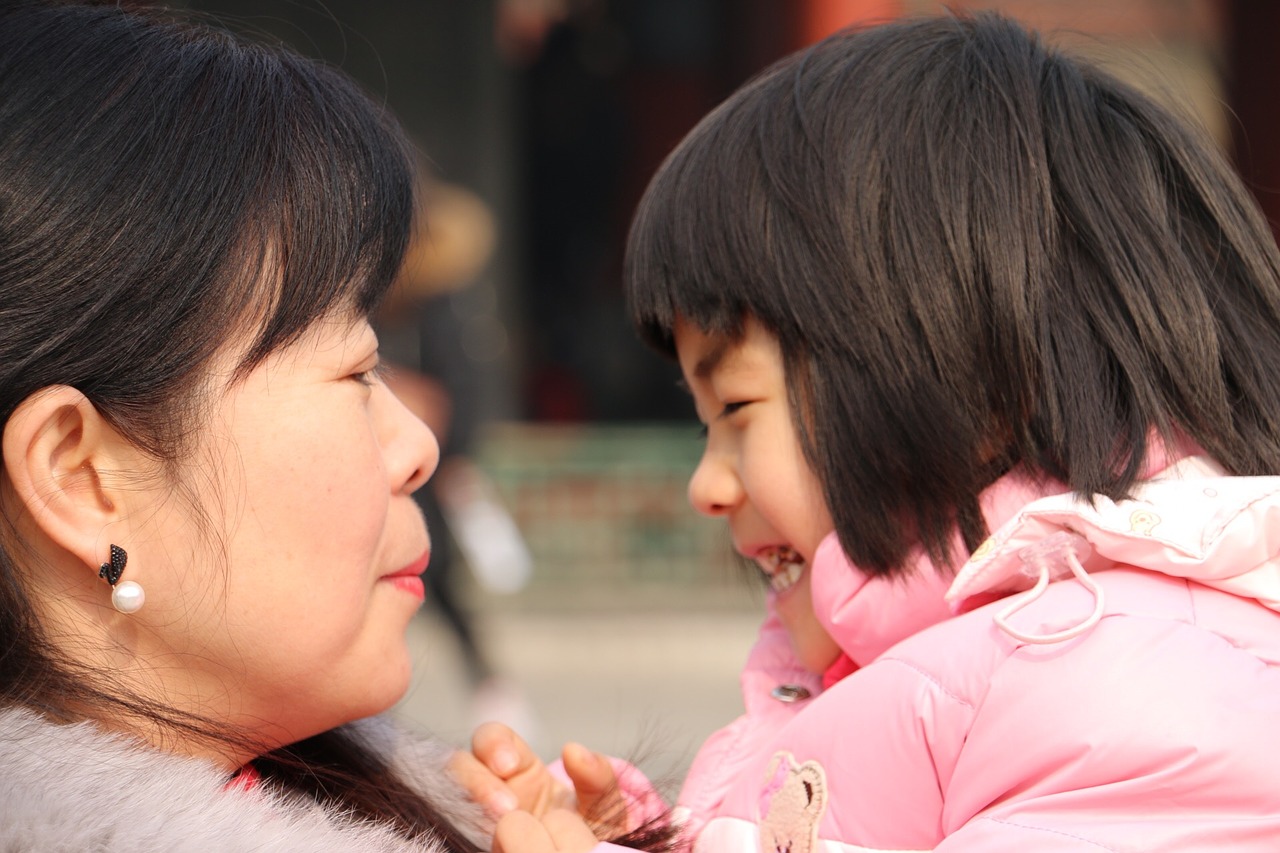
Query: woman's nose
x=410 y=448
x=714 y=488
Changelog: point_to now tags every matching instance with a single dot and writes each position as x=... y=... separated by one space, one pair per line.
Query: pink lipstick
x=409 y=579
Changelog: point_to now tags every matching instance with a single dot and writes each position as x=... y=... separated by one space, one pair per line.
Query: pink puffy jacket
x=1111 y=683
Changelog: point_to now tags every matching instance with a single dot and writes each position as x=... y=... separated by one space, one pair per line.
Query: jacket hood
x=1190 y=521
x=866 y=615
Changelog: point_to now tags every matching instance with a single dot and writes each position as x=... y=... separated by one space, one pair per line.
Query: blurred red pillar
x=818 y=19
x=1253 y=72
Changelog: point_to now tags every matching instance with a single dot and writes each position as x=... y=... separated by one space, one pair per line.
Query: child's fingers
x=560 y=831
x=502 y=756
x=482 y=785
x=568 y=831
x=502 y=750
x=521 y=832
x=596 y=786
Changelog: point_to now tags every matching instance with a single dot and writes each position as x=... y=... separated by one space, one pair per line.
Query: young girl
x=946 y=298
x=210 y=551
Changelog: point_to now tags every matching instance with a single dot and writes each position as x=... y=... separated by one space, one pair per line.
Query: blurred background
x=574 y=593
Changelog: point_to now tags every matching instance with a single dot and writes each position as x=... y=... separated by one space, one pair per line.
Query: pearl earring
x=126 y=597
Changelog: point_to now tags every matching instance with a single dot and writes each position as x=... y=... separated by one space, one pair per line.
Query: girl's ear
x=59 y=455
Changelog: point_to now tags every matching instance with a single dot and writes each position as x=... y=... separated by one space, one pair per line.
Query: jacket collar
x=1190 y=521
x=866 y=615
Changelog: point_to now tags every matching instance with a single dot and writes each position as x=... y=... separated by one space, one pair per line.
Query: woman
x=210 y=551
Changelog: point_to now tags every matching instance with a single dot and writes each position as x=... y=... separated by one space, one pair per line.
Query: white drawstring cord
x=1038 y=556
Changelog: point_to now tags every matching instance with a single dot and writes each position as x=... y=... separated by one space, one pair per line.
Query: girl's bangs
x=691 y=253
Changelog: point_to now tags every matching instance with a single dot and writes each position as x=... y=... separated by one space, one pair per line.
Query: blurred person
x=210 y=549
x=568 y=56
x=985 y=343
x=453 y=243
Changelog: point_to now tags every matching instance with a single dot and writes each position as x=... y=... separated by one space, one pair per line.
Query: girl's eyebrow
x=709 y=362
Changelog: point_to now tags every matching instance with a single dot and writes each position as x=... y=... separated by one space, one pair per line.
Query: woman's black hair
x=976 y=253
x=159 y=185
x=167 y=192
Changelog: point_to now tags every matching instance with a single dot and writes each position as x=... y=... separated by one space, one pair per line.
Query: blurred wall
x=436 y=64
x=557 y=112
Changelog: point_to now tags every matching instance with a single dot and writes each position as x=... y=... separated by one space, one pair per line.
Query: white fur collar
x=66 y=788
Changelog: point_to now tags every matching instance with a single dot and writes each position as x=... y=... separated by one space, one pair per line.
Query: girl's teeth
x=783 y=567
x=786 y=576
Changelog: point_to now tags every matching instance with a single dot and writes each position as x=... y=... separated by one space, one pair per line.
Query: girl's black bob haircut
x=977 y=254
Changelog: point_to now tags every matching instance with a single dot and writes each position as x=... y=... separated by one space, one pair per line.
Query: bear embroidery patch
x=792 y=803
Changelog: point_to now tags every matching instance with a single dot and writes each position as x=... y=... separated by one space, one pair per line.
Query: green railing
x=604 y=508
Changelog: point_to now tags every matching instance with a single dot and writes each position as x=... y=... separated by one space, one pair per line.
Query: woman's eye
x=368 y=377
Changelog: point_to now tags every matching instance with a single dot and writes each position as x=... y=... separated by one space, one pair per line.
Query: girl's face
x=753 y=473
x=283 y=597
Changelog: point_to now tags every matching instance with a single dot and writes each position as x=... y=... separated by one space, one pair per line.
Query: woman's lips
x=409 y=579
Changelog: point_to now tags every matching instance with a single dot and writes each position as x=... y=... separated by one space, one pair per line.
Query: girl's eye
x=728 y=410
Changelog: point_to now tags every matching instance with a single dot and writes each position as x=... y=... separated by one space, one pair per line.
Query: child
x=944 y=297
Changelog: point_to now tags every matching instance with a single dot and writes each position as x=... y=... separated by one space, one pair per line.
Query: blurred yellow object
x=454 y=240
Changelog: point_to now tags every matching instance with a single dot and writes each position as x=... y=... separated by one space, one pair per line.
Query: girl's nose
x=410 y=449
x=714 y=488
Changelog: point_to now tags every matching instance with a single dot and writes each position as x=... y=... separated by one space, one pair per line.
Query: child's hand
x=502 y=773
x=595 y=785
x=559 y=831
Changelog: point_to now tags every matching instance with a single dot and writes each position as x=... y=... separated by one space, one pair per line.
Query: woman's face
x=284 y=595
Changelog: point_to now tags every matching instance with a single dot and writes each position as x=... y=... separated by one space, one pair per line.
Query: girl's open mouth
x=781 y=566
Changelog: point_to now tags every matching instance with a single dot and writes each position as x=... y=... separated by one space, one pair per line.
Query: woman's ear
x=59 y=455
